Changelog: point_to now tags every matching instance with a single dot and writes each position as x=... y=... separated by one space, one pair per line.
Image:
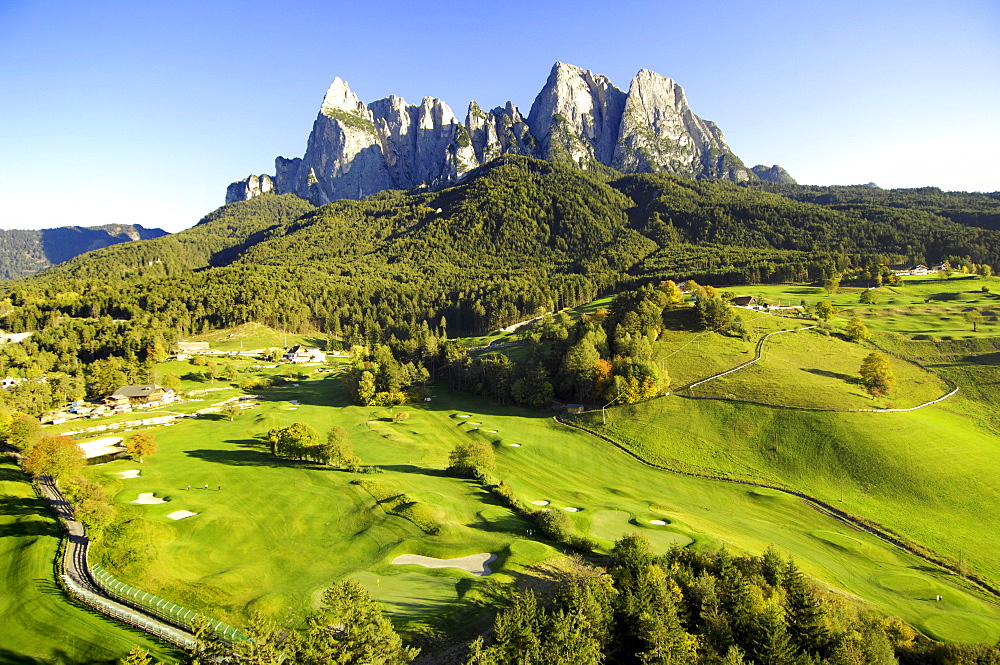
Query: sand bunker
x=464 y=416
x=514 y=445
x=539 y=503
x=475 y=423
x=571 y=509
x=131 y=473
x=658 y=522
x=477 y=564
x=149 y=499
x=181 y=514
x=492 y=431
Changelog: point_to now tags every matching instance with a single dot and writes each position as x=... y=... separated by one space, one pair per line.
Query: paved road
x=77 y=568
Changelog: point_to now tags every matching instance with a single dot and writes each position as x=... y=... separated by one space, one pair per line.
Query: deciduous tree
x=877 y=375
x=140 y=445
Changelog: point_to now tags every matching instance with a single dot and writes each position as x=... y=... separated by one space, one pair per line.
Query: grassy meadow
x=277 y=532
x=270 y=534
x=40 y=624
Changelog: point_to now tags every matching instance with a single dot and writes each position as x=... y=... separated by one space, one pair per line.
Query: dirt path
x=853 y=521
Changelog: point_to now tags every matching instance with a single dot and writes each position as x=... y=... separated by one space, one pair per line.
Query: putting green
x=957 y=627
x=411 y=593
x=911 y=585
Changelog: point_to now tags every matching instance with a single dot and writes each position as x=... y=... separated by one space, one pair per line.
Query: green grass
x=278 y=533
x=250 y=336
x=809 y=369
x=39 y=623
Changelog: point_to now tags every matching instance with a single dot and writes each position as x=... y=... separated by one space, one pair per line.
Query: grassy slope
x=913 y=472
x=39 y=623
x=278 y=533
x=281 y=532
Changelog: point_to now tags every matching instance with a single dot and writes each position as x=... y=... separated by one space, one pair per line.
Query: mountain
x=580 y=118
x=515 y=236
x=27 y=252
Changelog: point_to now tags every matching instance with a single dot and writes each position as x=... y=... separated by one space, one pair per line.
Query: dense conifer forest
x=519 y=238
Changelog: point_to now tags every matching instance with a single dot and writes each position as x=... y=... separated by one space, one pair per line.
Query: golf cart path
x=79 y=582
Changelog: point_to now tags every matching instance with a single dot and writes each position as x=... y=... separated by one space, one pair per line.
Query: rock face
x=659 y=132
x=577 y=116
x=357 y=149
x=249 y=187
x=774 y=174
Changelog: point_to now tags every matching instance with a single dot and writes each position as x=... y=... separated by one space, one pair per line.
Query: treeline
x=970 y=208
x=685 y=607
x=678 y=211
x=604 y=356
x=690 y=607
x=523 y=237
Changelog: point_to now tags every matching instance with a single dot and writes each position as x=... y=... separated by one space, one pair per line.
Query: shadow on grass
x=12 y=475
x=16 y=505
x=243 y=457
x=410 y=468
x=30 y=528
x=832 y=375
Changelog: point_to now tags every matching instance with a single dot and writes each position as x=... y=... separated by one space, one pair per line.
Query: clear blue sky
x=141 y=112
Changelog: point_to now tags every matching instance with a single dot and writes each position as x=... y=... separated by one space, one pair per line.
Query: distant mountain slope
x=579 y=118
x=518 y=236
x=26 y=252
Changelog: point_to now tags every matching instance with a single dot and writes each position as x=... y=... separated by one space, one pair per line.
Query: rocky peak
x=580 y=117
x=773 y=174
x=339 y=97
x=576 y=115
x=659 y=132
x=249 y=187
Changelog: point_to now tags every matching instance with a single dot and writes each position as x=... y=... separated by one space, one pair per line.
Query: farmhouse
x=300 y=354
x=907 y=269
x=744 y=301
x=149 y=395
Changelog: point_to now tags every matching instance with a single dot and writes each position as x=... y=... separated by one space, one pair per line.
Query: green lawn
x=278 y=533
x=39 y=623
x=250 y=336
x=809 y=369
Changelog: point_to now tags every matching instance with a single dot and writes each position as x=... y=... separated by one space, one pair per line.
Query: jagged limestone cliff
x=356 y=149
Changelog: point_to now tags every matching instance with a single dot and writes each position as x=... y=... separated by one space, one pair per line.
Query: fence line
x=155 y=605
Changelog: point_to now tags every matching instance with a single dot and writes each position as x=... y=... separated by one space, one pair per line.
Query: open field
x=269 y=535
x=39 y=623
x=809 y=369
x=277 y=532
x=912 y=472
x=250 y=336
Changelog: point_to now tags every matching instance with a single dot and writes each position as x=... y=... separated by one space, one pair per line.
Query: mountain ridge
x=579 y=117
x=24 y=252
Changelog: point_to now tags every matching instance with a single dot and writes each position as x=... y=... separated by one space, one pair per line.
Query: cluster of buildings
x=902 y=269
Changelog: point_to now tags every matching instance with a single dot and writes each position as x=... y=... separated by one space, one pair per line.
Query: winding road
x=75 y=566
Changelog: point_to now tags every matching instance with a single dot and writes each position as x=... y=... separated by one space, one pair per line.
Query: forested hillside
x=519 y=237
x=26 y=252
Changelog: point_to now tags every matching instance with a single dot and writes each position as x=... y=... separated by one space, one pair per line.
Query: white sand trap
x=514 y=445
x=475 y=423
x=540 y=503
x=464 y=416
x=492 y=431
x=571 y=509
x=148 y=499
x=658 y=522
x=477 y=564
x=291 y=408
x=181 y=514
x=131 y=473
